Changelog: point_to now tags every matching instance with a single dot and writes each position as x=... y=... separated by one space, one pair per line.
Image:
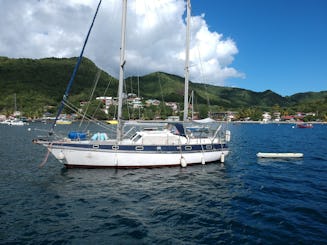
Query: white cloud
x=155 y=40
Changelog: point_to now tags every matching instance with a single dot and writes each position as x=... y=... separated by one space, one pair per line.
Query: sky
x=257 y=45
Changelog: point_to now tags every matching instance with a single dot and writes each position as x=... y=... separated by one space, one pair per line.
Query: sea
x=244 y=200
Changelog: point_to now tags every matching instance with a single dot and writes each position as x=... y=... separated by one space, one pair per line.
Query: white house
x=266 y=117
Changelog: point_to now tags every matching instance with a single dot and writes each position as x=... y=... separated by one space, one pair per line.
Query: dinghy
x=279 y=155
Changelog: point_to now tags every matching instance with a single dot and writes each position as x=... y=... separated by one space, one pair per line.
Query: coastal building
x=276 y=116
x=150 y=102
x=266 y=117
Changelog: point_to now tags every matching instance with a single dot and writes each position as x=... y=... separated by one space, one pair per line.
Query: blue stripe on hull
x=140 y=148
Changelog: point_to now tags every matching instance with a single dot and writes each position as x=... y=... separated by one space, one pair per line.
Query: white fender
x=61 y=156
x=227 y=135
x=183 y=162
x=203 y=161
x=222 y=158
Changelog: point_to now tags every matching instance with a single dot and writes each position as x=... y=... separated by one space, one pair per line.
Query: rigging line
x=46 y=157
x=125 y=88
x=138 y=94
x=96 y=109
x=203 y=78
x=97 y=77
x=70 y=106
x=162 y=97
x=74 y=72
x=131 y=78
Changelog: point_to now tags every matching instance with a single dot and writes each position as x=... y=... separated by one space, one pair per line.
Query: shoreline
x=272 y=122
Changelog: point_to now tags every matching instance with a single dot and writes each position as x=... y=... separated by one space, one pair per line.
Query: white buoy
x=29 y=129
x=222 y=158
x=183 y=162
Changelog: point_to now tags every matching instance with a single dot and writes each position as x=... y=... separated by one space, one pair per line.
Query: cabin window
x=139 y=148
x=96 y=146
x=137 y=137
x=133 y=136
x=209 y=147
x=115 y=147
x=188 y=148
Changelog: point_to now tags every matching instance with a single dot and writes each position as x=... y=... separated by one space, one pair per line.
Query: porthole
x=139 y=148
x=115 y=147
x=188 y=148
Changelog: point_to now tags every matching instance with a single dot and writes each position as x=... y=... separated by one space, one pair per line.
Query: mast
x=121 y=72
x=192 y=101
x=187 y=51
x=15 y=103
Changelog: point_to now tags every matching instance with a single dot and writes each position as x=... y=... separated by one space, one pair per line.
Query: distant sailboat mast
x=187 y=51
x=121 y=72
x=15 y=103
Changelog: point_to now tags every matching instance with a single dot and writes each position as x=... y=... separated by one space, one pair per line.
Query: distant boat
x=13 y=122
x=112 y=122
x=305 y=125
x=64 y=122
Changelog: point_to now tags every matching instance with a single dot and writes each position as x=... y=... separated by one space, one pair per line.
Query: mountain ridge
x=42 y=82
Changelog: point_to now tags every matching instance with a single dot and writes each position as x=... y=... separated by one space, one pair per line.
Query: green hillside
x=39 y=84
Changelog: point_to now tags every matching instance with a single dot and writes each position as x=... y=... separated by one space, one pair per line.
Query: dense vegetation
x=39 y=85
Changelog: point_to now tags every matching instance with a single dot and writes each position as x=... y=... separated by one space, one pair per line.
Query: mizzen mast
x=187 y=51
x=121 y=72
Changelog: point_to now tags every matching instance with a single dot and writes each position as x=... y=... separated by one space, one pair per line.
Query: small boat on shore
x=63 y=122
x=279 y=155
x=112 y=122
x=305 y=125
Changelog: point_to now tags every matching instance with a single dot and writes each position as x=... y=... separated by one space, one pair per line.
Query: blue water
x=244 y=201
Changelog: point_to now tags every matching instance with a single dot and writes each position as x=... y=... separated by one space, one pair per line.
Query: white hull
x=100 y=158
x=95 y=159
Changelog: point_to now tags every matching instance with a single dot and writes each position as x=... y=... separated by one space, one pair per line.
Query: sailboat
x=148 y=147
x=13 y=120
